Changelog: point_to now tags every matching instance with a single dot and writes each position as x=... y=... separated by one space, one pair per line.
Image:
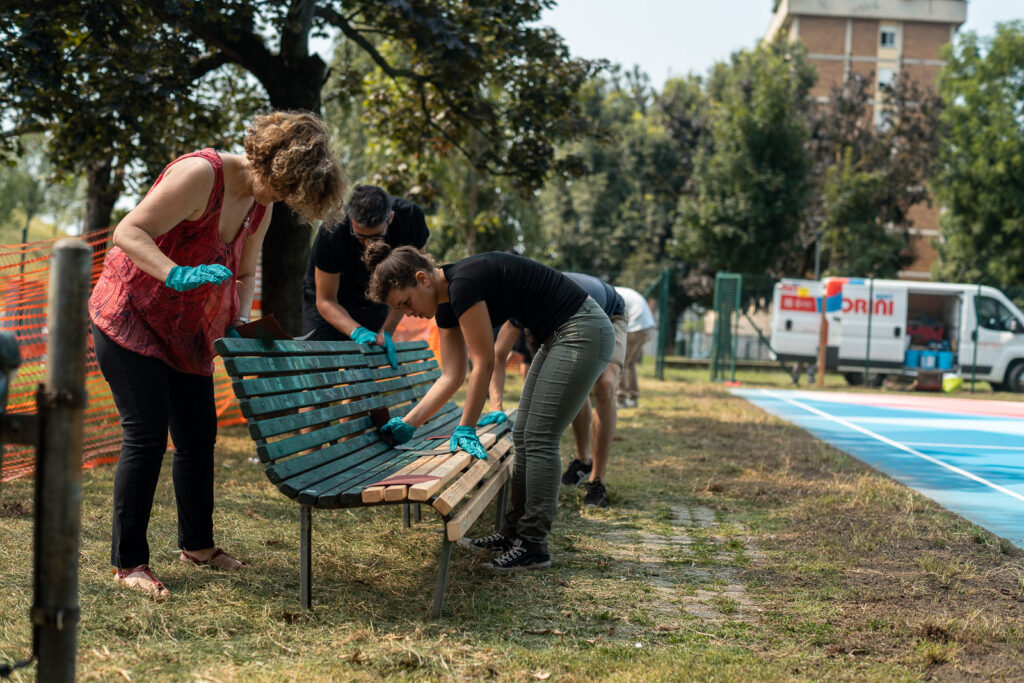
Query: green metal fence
x=728 y=288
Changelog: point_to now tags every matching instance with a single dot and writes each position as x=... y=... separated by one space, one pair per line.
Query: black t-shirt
x=536 y=295
x=610 y=301
x=335 y=250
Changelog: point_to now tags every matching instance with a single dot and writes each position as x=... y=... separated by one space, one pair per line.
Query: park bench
x=313 y=408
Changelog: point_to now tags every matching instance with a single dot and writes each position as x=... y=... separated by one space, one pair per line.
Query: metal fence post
x=58 y=495
x=974 y=361
x=867 y=349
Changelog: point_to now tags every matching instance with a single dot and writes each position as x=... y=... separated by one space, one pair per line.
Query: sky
x=669 y=38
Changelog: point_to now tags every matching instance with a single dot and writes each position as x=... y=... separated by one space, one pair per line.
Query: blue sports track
x=965 y=454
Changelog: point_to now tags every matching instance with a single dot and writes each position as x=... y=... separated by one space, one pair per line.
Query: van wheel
x=1015 y=377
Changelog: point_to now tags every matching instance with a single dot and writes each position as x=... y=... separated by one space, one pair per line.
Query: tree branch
x=340 y=22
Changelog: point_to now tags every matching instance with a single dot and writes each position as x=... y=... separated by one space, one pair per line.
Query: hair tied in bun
x=375 y=253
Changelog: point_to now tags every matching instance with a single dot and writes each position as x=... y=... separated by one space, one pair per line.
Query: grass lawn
x=737 y=547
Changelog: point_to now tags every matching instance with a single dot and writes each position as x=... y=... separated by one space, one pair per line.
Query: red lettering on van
x=798 y=303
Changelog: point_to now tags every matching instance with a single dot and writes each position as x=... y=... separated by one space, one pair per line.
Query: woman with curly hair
x=180 y=274
x=469 y=298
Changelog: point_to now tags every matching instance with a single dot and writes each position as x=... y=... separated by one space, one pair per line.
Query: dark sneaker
x=596 y=496
x=518 y=557
x=498 y=542
x=576 y=473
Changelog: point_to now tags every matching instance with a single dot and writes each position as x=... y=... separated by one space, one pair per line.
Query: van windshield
x=993 y=315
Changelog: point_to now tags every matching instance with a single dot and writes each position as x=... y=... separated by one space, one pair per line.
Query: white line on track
x=963 y=446
x=896 y=444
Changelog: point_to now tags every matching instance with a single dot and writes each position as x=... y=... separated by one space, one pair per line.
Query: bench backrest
x=308 y=406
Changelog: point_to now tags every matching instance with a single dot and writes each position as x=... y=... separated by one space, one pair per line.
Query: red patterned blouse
x=141 y=314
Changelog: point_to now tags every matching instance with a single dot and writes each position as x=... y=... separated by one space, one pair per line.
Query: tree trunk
x=286 y=247
x=103 y=187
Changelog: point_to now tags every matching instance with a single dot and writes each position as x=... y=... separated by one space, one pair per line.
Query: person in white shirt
x=639 y=330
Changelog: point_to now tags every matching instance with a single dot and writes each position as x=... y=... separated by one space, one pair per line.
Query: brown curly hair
x=393 y=268
x=291 y=152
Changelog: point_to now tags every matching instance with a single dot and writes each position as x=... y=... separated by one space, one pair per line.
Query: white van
x=913 y=325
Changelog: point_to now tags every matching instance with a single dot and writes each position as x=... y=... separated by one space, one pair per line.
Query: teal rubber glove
x=389 y=350
x=465 y=438
x=361 y=335
x=399 y=431
x=232 y=333
x=494 y=417
x=184 y=278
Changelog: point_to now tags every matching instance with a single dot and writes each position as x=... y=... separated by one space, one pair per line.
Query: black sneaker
x=576 y=473
x=518 y=557
x=498 y=542
x=596 y=496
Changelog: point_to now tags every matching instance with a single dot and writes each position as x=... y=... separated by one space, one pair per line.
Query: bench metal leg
x=405 y=515
x=305 y=559
x=442 y=574
x=417 y=514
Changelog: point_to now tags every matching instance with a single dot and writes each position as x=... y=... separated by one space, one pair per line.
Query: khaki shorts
x=619 y=355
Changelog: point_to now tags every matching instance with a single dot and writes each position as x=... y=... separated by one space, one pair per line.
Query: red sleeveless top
x=143 y=315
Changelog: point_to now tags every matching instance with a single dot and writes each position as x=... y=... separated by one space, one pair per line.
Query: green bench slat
x=363 y=448
x=256 y=365
x=284 y=470
x=236 y=346
x=272 y=426
x=274 y=451
x=385 y=459
x=250 y=388
x=359 y=478
x=276 y=402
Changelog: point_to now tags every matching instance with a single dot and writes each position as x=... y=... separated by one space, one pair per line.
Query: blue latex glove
x=232 y=333
x=184 y=278
x=398 y=429
x=389 y=350
x=465 y=438
x=494 y=417
x=361 y=335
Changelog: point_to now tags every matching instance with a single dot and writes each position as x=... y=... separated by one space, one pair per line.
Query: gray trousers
x=560 y=378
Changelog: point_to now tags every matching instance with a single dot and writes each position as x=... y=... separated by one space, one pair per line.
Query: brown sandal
x=218 y=560
x=141 y=579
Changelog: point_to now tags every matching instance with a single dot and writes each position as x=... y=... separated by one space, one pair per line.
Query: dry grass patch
x=737 y=547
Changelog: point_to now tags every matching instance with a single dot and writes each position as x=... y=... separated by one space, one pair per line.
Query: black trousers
x=151 y=397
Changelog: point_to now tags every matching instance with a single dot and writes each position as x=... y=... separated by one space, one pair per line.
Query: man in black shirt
x=334 y=303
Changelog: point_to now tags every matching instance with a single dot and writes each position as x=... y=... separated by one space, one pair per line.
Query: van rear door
x=887 y=317
x=796 y=320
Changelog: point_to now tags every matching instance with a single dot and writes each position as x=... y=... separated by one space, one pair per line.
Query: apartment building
x=884 y=38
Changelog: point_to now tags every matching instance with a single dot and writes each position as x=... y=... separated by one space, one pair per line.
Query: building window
x=886 y=77
x=888 y=38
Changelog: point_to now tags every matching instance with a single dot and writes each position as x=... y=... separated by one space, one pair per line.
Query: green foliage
x=751 y=181
x=981 y=176
x=867 y=176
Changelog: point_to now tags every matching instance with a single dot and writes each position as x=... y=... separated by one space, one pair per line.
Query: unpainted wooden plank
x=375 y=494
x=459 y=489
x=445 y=473
x=460 y=524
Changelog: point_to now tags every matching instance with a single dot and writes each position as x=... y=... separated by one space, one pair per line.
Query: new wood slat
x=445 y=473
x=454 y=494
x=375 y=494
x=458 y=526
x=256 y=365
x=396 y=492
x=349 y=492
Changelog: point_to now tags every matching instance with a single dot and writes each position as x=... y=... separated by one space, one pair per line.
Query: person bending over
x=468 y=299
x=180 y=273
x=589 y=429
x=334 y=303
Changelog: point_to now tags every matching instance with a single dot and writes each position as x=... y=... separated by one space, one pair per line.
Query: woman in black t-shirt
x=469 y=298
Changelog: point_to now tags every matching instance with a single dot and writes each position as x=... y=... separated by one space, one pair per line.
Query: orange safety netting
x=24 y=281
